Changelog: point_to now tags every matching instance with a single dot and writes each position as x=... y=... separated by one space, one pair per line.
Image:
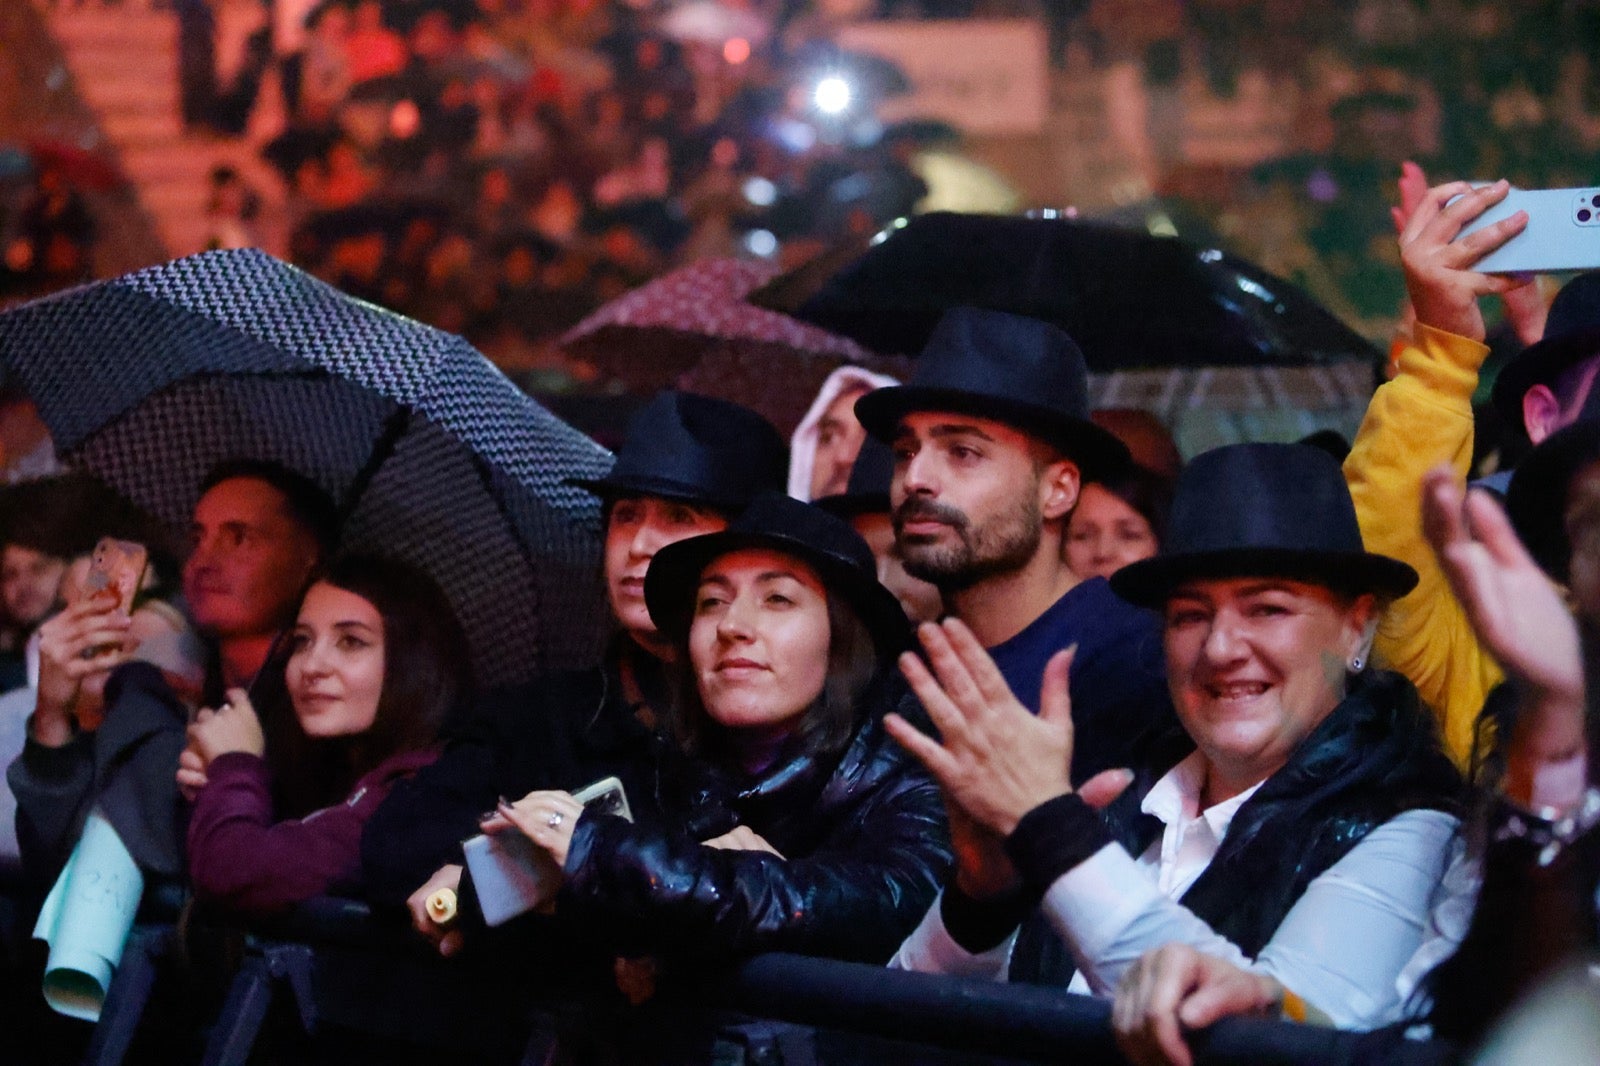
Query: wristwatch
x=1547 y=830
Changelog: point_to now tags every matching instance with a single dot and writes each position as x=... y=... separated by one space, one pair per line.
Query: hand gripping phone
x=118 y=565
x=512 y=875
x=1563 y=232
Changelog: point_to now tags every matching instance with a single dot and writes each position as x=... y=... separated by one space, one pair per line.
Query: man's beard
x=1002 y=545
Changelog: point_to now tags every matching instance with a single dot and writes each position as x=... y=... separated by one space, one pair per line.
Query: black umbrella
x=150 y=379
x=1130 y=300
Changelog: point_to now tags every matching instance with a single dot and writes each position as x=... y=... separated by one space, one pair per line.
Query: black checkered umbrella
x=151 y=379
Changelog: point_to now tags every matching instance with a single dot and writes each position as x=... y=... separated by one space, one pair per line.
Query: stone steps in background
x=124 y=60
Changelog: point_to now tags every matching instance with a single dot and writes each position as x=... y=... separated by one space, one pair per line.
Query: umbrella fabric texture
x=1130 y=300
x=694 y=329
x=151 y=379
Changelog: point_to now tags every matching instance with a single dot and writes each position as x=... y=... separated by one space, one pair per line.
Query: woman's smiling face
x=759 y=640
x=336 y=662
x=1255 y=665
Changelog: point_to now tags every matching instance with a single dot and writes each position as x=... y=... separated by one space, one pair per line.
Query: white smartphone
x=1563 y=232
x=512 y=875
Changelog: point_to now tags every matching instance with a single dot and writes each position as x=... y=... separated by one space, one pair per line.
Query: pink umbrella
x=693 y=329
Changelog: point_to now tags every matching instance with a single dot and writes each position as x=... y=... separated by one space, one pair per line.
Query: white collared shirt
x=1340 y=947
x=1191 y=837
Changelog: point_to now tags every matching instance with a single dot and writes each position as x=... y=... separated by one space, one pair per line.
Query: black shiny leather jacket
x=865 y=847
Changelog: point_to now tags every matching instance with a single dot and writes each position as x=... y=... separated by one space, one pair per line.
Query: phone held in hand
x=1563 y=232
x=118 y=565
x=512 y=875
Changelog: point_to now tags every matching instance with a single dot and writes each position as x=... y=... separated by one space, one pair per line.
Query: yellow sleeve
x=1415 y=422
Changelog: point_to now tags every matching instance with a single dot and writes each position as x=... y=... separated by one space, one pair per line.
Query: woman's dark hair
x=1147 y=492
x=426 y=677
x=830 y=721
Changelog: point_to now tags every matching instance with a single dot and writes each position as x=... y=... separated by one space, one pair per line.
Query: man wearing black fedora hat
x=1305 y=795
x=992 y=439
x=687 y=465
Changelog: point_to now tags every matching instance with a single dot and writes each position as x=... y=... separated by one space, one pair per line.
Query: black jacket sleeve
x=520 y=738
x=856 y=896
x=420 y=825
x=53 y=787
x=127 y=767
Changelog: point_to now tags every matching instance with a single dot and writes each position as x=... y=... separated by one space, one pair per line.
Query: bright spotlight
x=832 y=95
x=760 y=192
x=761 y=242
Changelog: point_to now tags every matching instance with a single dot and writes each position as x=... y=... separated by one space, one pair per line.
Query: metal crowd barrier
x=338 y=968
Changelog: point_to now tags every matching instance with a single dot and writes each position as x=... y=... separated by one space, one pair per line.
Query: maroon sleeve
x=241 y=858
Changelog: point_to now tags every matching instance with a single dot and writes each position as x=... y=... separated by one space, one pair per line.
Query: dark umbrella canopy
x=151 y=379
x=1130 y=300
x=694 y=329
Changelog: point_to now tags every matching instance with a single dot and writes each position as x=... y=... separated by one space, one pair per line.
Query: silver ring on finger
x=555 y=819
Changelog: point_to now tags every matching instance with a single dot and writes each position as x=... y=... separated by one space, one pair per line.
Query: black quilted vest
x=1376 y=755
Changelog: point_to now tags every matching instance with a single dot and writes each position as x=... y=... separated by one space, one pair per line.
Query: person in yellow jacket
x=1420 y=419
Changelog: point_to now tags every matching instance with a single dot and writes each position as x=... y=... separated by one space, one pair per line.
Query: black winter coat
x=864 y=840
x=561 y=732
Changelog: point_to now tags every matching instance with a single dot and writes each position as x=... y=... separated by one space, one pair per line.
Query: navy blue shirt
x=1118 y=681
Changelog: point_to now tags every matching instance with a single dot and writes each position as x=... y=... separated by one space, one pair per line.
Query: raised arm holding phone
x=1422 y=418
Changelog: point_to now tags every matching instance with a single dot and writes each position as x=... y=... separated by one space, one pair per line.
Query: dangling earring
x=1355 y=665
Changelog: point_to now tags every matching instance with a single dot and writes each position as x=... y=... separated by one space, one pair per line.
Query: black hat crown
x=1269 y=510
x=868 y=489
x=1571 y=334
x=782 y=523
x=1021 y=371
x=1537 y=499
x=699 y=449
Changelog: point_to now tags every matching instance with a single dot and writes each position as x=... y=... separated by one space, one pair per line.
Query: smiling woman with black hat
x=792 y=822
x=688 y=463
x=1307 y=794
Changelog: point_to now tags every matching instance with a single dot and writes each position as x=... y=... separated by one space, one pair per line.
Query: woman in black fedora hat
x=687 y=465
x=1306 y=794
x=791 y=821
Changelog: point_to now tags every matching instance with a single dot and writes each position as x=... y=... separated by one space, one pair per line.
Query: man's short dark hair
x=308 y=503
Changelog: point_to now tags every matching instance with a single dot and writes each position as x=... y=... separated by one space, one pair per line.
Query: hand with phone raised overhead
x=1525 y=306
x=1441 y=277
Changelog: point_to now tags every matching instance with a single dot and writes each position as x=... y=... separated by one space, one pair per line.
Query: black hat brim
x=848 y=505
x=1537 y=499
x=674 y=577
x=1098 y=453
x=1539 y=363
x=610 y=487
x=1149 y=582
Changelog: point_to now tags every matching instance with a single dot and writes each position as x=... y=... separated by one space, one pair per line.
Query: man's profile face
x=966 y=497
x=839 y=440
x=248 y=561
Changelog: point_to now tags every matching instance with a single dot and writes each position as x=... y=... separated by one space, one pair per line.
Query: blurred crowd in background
x=500 y=168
